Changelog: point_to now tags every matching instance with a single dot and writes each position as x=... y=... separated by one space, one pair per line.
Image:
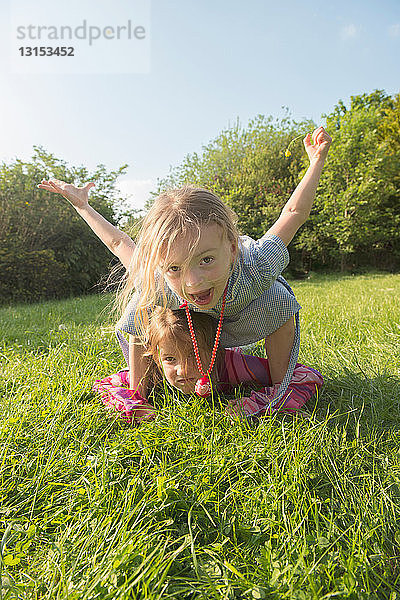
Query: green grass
x=192 y=505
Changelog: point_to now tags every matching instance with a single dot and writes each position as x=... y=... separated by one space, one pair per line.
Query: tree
x=247 y=168
x=355 y=218
x=36 y=228
x=356 y=214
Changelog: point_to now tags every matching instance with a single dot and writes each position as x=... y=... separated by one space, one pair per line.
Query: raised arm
x=297 y=210
x=117 y=241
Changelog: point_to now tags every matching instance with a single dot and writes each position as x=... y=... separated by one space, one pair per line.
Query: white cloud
x=349 y=32
x=394 y=30
x=137 y=191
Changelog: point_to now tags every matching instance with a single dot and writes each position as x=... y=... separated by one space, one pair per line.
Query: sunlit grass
x=193 y=505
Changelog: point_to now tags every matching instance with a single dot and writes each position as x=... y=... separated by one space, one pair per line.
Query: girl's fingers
x=51 y=186
x=58 y=184
x=57 y=190
x=307 y=140
x=315 y=135
x=322 y=137
x=60 y=187
x=319 y=139
x=317 y=132
x=45 y=186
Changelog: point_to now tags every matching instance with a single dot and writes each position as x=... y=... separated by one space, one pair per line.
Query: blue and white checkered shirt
x=259 y=301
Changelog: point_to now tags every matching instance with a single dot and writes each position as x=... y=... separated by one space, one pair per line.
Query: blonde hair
x=175 y=214
x=171 y=325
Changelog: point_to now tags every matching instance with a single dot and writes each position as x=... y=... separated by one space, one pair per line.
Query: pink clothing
x=244 y=368
x=117 y=396
x=238 y=368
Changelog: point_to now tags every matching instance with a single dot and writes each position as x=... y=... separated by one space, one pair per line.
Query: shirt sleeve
x=127 y=321
x=272 y=256
x=264 y=260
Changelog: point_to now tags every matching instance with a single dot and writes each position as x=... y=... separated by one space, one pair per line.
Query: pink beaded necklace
x=203 y=387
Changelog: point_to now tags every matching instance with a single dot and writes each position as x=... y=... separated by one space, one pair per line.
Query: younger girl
x=189 y=251
x=171 y=351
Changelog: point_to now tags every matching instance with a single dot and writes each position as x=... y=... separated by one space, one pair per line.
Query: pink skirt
x=304 y=384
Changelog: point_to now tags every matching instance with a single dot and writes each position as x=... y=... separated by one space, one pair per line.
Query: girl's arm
x=138 y=365
x=297 y=210
x=117 y=241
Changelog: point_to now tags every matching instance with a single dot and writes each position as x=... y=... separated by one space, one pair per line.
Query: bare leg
x=278 y=346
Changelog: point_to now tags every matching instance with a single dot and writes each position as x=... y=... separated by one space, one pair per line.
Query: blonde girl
x=189 y=250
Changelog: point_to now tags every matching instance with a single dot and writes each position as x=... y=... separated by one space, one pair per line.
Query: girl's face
x=180 y=372
x=202 y=281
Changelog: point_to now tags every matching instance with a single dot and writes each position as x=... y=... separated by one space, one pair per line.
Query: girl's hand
x=318 y=149
x=77 y=196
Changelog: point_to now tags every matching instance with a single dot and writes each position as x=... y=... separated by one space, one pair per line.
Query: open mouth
x=202 y=298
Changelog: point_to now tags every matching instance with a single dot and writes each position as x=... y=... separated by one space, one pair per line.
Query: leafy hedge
x=47 y=250
x=355 y=221
x=31 y=275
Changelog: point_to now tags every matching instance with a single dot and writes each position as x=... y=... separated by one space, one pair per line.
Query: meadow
x=193 y=505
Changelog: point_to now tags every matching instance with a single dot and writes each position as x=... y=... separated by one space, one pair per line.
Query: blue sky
x=209 y=63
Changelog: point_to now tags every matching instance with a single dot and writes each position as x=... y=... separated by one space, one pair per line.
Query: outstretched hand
x=317 y=145
x=77 y=196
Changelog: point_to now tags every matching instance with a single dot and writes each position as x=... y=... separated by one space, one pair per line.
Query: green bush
x=31 y=275
x=355 y=219
x=47 y=249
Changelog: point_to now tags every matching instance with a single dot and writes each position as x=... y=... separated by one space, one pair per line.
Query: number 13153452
x=46 y=51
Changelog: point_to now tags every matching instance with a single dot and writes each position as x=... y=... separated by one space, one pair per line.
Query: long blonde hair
x=175 y=213
x=171 y=325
